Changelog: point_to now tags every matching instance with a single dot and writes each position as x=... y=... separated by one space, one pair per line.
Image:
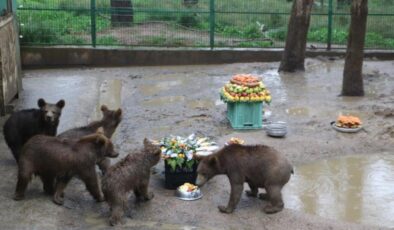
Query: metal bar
x=9 y=5
x=212 y=24
x=100 y=10
x=93 y=21
x=329 y=28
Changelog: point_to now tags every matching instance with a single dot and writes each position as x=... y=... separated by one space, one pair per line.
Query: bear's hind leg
x=61 y=183
x=15 y=150
x=117 y=206
x=23 y=181
x=275 y=202
x=253 y=190
x=48 y=184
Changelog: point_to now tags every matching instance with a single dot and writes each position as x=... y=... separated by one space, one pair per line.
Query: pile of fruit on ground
x=348 y=122
x=245 y=88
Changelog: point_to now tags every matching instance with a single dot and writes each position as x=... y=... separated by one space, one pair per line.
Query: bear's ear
x=41 y=103
x=118 y=113
x=146 y=142
x=61 y=103
x=100 y=130
x=104 y=108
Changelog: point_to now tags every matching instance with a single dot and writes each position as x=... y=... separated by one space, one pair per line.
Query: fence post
x=93 y=21
x=329 y=29
x=212 y=24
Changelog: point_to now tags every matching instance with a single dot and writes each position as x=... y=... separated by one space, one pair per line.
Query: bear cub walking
x=24 y=124
x=131 y=173
x=260 y=166
x=54 y=158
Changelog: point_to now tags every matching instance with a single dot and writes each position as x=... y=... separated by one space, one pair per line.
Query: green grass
x=70 y=22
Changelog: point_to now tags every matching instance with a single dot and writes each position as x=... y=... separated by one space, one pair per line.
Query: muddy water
x=356 y=189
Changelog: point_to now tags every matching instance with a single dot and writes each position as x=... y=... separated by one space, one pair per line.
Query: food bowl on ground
x=277 y=129
x=188 y=192
x=345 y=129
x=347 y=124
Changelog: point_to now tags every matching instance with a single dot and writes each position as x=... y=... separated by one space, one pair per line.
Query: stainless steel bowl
x=277 y=129
x=194 y=195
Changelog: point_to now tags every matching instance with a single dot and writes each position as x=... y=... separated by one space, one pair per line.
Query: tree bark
x=294 y=53
x=122 y=13
x=352 y=84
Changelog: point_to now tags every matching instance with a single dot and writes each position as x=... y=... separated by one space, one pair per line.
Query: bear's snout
x=200 y=181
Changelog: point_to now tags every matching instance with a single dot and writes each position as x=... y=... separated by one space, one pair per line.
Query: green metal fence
x=193 y=23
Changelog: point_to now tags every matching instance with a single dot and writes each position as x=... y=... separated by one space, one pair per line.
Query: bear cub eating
x=260 y=166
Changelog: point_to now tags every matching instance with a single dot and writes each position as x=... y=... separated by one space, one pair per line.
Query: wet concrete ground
x=158 y=101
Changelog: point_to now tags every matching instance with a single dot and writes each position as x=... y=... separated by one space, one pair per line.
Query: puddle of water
x=298 y=111
x=357 y=189
x=273 y=81
x=200 y=104
x=163 y=100
x=151 y=89
x=94 y=220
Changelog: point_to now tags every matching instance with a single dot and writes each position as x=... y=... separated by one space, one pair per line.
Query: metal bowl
x=277 y=129
x=194 y=195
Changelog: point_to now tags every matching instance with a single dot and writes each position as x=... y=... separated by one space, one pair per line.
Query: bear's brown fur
x=260 y=166
x=131 y=173
x=52 y=157
x=109 y=122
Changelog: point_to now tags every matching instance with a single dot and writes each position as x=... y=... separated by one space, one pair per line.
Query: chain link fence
x=194 y=23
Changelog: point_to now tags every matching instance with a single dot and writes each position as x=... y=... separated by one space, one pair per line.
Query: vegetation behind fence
x=193 y=23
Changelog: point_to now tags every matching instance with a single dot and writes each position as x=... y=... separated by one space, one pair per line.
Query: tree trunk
x=294 y=53
x=352 y=84
x=122 y=13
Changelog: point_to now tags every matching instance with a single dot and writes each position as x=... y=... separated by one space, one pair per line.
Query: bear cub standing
x=54 y=158
x=109 y=122
x=260 y=166
x=131 y=173
x=24 y=124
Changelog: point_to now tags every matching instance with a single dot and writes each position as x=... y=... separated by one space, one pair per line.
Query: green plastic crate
x=245 y=115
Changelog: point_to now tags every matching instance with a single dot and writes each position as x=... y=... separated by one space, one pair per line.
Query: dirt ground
x=179 y=100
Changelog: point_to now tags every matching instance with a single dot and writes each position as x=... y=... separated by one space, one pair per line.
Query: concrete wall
x=10 y=81
x=37 y=57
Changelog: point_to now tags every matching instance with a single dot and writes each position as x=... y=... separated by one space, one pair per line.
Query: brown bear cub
x=260 y=166
x=131 y=173
x=52 y=157
x=24 y=124
x=109 y=122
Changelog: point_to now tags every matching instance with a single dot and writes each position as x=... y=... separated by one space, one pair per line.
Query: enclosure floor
x=164 y=100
